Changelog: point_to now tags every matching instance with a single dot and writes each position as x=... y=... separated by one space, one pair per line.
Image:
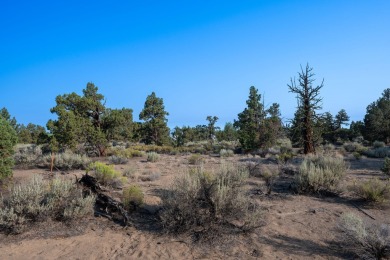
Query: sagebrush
x=207 y=203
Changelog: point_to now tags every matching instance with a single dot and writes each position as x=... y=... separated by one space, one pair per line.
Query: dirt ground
x=296 y=226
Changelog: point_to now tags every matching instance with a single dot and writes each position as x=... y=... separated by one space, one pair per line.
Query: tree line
x=85 y=124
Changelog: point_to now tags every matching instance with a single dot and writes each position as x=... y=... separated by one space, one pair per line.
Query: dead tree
x=309 y=102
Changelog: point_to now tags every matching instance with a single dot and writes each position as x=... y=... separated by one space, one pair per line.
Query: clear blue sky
x=201 y=57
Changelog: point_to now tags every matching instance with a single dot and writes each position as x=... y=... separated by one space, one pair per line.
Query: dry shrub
x=226 y=153
x=66 y=161
x=366 y=240
x=318 y=174
x=386 y=166
x=114 y=159
x=27 y=155
x=150 y=176
x=195 y=159
x=40 y=199
x=373 y=190
x=206 y=203
x=152 y=157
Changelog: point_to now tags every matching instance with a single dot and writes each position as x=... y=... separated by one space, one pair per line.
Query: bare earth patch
x=297 y=226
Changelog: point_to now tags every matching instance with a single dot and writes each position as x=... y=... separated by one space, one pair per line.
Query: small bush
x=133 y=197
x=114 y=159
x=352 y=147
x=204 y=203
x=106 y=174
x=129 y=172
x=152 y=157
x=367 y=240
x=269 y=175
x=320 y=174
x=27 y=155
x=380 y=152
x=373 y=190
x=386 y=166
x=195 y=159
x=40 y=199
x=284 y=157
x=378 y=144
x=150 y=176
x=66 y=161
x=226 y=153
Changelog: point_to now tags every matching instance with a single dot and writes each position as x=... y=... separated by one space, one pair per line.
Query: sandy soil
x=297 y=226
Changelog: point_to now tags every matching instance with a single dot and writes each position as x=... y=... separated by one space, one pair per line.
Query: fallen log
x=107 y=206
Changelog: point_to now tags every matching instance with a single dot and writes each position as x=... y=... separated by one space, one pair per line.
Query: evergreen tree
x=211 y=126
x=377 y=119
x=8 y=140
x=250 y=120
x=80 y=121
x=117 y=124
x=155 y=127
x=341 y=118
x=308 y=103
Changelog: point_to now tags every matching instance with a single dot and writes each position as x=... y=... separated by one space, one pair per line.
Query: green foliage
x=106 y=174
x=373 y=190
x=85 y=120
x=8 y=140
x=229 y=133
x=341 y=118
x=155 y=129
x=40 y=199
x=320 y=174
x=255 y=129
x=376 y=120
x=204 y=203
x=133 y=197
x=367 y=240
x=211 y=126
x=117 y=124
x=152 y=157
x=354 y=147
x=386 y=166
x=378 y=144
x=31 y=134
x=308 y=103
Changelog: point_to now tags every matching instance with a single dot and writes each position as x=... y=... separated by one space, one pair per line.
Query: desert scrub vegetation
x=195 y=159
x=373 y=190
x=152 y=157
x=38 y=200
x=318 y=174
x=386 y=166
x=226 y=153
x=380 y=152
x=114 y=159
x=27 y=155
x=132 y=197
x=204 y=203
x=366 y=240
x=66 y=161
x=106 y=174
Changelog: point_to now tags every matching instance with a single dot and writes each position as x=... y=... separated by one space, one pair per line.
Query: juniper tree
x=8 y=140
x=377 y=119
x=155 y=126
x=308 y=103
